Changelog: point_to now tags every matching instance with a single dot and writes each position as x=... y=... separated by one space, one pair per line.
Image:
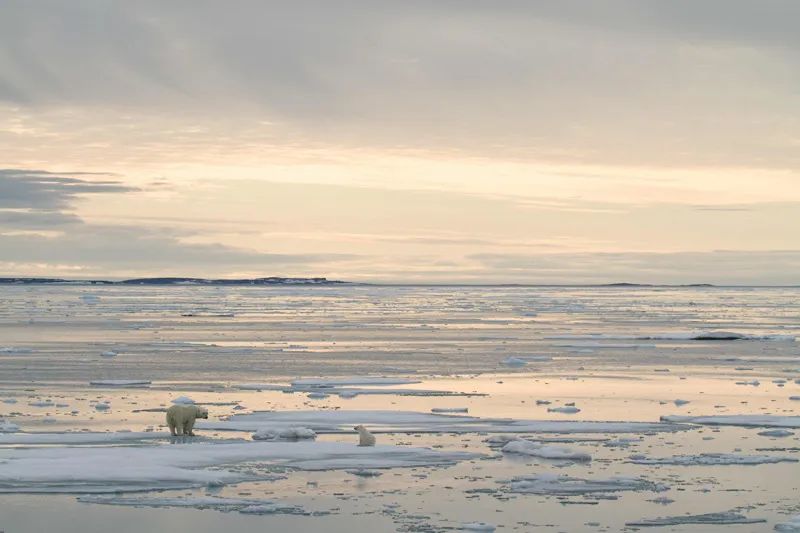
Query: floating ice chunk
x=753 y=383
x=450 y=410
x=42 y=403
x=711 y=459
x=293 y=433
x=201 y=502
x=795 y=398
x=766 y=421
x=361 y=472
x=120 y=383
x=102 y=406
x=792 y=525
x=8 y=427
x=514 y=361
x=89 y=298
x=702 y=335
x=78 y=438
x=261 y=386
x=109 y=353
x=135 y=468
x=477 y=526
x=342 y=421
x=566 y=485
x=726 y=518
x=183 y=400
x=536 y=449
x=14 y=350
x=776 y=433
x=10 y=400
x=317 y=395
x=348 y=394
x=680 y=402
x=570 y=409
x=363 y=380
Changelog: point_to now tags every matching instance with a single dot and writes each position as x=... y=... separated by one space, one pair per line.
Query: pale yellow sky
x=443 y=142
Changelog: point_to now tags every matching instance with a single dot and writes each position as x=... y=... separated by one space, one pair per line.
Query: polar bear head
x=202 y=412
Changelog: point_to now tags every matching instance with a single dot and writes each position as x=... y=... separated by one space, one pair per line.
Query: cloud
x=38 y=189
x=32 y=200
x=627 y=82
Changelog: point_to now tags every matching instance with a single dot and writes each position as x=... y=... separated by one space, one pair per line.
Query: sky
x=422 y=142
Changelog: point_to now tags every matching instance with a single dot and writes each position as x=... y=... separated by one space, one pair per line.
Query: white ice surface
x=726 y=518
x=246 y=506
x=792 y=525
x=566 y=485
x=537 y=449
x=293 y=433
x=120 y=382
x=137 y=468
x=712 y=459
x=766 y=421
x=357 y=380
x=77 y=438
x=7 y=427
x=343 y=421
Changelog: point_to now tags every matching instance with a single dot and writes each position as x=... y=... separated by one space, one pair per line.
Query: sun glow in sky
x=469 y=141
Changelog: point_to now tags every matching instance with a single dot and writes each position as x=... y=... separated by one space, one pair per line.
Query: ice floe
x=342 y=421
x=711 y=459
x=358 y=380
x=699 y=335
x=293 y=433
x=77 y=438
x=477 y=526
x=567 y=485
x=537 y=449
x=8 y=427
x=120 y=382
x=245 y=506
x=570 y=409
x=776 y=433
x=726 y=518
x=791 y=525
x=766 y=421
x=138 y=468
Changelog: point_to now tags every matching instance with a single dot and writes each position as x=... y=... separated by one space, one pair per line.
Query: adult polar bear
x=180 y=418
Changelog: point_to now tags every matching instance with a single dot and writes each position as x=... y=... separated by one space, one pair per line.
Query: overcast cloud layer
x=533 y=141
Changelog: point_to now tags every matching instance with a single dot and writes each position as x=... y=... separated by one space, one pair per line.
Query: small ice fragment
x=729 y=517
x=514 y=361
x=102 y=406
x=477 y=526
x=792 y=525
x=776 y=433
x=450 y=410
x=109 y=353
x=680 y=402
x=183 y=400
x=8 y=427
x=363 y=472
x=567 y=410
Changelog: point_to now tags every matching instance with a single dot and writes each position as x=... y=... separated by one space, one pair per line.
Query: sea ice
x=343 y=421
x=477 y=526
x=183 y=400
x=792 y=525
x=139 y=468
x=566 y=485
x=537 y=449
x=725 y=518
x=776 y=433
x=293 y=433
x=120 y=382
x=359 y=380
x=766 y=421
x=570 y=409
x=711 y=459
x=8 y=427
x=245 y=506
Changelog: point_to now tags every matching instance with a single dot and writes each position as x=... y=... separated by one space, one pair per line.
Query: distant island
x=173 y=281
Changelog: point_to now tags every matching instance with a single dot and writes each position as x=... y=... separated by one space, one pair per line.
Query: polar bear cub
x=365 y=438
x=180 y=418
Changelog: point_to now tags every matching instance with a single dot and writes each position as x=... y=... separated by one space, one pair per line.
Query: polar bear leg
x=171 y=423
x=188 y=426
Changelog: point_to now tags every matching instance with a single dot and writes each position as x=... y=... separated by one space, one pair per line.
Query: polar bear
x=180 y=418
x=365 y=438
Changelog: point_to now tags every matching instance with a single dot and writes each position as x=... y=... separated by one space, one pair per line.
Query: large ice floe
x=341 y=421
x=792 y=525
x=700 y=335
x=764 y=421
x=544 y=451
x=244 y=506
x=141 y=468
x=726 y=518
x=711 y=459
x=78 y=438
x=562 y=485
